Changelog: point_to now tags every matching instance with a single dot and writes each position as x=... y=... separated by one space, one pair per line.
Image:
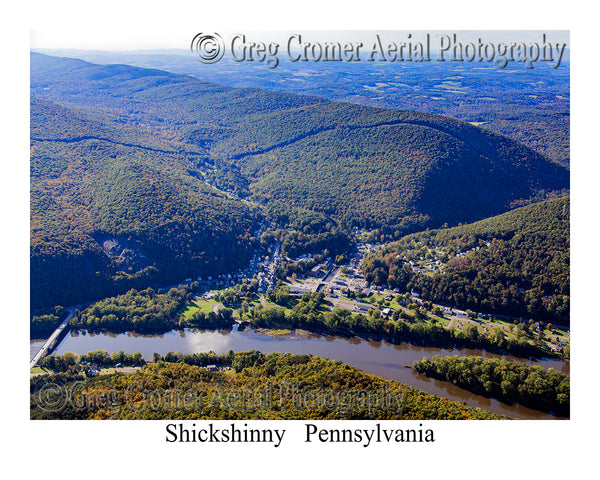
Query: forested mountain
x=119 y=155
x=516 y=263
x=528 y=105
x=110 y=211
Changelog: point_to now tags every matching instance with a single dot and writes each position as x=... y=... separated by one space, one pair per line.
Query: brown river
x=376 y=357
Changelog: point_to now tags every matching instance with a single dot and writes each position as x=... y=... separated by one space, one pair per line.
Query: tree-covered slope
x=516 y=263
x=110 y=211
x=119 y=154
x=361 y=165
x=401 y=175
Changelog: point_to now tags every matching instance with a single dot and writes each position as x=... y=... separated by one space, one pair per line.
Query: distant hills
x=122 y=153
x=528 y=105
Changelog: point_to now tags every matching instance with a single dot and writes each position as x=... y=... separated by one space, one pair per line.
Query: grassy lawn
x=504 y=323
x=274 y=305
x=444 y=322
x=395 y=305
x=205 y=301
x=271 y=304
x=38 y=369
x=558 y=331
x=374 y=298
x=204 y=306
x=188 y=310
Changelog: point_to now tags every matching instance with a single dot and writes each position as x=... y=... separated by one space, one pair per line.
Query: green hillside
x=108 y=215
x=364 y=165
x=120 y=154
x=516 y=263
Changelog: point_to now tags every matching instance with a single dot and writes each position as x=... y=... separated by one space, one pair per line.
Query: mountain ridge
x=119 y=150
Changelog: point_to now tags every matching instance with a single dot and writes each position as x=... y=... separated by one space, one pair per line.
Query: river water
x=373 y=356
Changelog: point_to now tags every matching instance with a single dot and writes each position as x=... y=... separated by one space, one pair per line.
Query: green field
x=38 y=369
x=202 y=305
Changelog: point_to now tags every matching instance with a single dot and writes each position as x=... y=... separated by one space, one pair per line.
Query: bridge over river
x=50 y=343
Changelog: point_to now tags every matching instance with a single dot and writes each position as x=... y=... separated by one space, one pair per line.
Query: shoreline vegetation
x=243 y=385
x=309 y=314
x=150 y=312
x=509 y=382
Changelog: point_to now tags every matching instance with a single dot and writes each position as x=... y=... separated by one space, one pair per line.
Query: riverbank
x=377 y=357
x=257 y=386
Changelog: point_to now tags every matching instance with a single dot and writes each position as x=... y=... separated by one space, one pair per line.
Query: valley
x=161 y=203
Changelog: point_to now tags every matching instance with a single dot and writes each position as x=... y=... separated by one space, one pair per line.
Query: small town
x=345 y=287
